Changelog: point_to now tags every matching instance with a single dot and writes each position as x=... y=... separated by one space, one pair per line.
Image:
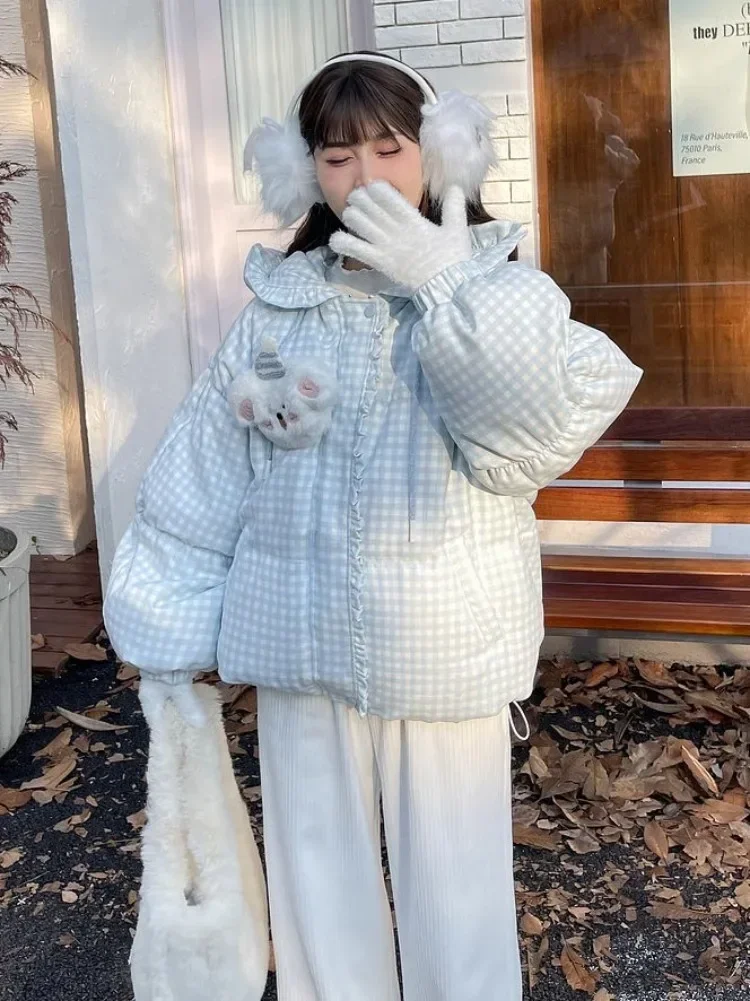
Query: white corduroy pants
x=446 y=797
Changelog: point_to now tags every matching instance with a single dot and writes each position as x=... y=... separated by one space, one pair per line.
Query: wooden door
x=662 y=264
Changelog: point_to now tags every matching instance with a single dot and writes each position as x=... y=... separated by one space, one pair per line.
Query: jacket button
x=370 y=311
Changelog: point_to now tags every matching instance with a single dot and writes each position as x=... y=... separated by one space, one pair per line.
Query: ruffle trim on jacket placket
x=356 y=529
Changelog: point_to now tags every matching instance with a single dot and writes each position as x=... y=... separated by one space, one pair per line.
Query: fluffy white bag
x=202 y=932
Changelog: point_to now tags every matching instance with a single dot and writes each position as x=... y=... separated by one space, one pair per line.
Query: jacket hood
x=299 y=282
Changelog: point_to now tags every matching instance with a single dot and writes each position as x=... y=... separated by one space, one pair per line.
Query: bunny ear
x=239 y=396
x=308 y=387
x=279 y=154
x=245 y=411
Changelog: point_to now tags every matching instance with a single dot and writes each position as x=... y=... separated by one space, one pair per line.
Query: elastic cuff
x=169 y=677
x=443 y=286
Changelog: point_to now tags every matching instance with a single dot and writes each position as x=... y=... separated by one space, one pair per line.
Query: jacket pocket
x=478 y=602
x=528 y=543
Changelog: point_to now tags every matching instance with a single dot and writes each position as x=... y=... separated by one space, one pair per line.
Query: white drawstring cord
x=523 y=717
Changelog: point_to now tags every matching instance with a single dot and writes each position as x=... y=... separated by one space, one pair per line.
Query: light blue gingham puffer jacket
x=395 y=566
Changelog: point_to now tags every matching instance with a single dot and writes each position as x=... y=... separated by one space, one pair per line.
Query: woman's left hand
x=397 y=239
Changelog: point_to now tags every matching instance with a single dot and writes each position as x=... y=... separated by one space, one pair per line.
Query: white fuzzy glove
x=397 y=239
x=155 y=690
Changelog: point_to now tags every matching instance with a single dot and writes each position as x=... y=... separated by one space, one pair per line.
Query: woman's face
x=392 y=158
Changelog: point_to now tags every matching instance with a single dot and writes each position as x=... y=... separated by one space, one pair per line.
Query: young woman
x=342 y=516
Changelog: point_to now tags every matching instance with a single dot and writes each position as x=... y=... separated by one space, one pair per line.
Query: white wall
x=34 y=486
x=118 y=168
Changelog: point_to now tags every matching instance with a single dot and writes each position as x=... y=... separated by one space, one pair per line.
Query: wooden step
x=66 y=606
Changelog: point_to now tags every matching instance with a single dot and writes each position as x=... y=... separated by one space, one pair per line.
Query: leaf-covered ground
x=632 y=800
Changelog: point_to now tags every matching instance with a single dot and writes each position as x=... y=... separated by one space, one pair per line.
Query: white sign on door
x=710 y=52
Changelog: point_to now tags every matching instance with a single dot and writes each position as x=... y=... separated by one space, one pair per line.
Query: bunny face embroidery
x=290 y=405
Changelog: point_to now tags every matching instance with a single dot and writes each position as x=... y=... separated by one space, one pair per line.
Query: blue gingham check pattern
x=395 y=566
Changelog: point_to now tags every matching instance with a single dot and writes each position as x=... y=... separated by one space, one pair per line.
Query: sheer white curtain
x=270 y=46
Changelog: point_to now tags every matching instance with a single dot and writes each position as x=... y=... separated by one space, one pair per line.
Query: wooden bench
x=692 y=597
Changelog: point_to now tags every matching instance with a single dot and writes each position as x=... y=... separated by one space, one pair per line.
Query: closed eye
x=340 y=161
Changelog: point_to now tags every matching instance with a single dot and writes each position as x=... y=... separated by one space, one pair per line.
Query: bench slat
x=647 y=564
x=598 y=590
x=715 y=583
x=644 y=504
x=647 y=616
x=724 y=462
x=681 y=424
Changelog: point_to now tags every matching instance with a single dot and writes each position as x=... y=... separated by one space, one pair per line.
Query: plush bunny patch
x=291 y=405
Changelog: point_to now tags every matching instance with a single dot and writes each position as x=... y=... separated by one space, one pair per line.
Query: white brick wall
x=508 y=192
x=424 y=11
x=471 y=31
x=514 y=126
x=492 y=8
x=385 y=14
x=503 y=51
x=514 y=27
x=432 y=55
x=468 y=36
x=415 y=34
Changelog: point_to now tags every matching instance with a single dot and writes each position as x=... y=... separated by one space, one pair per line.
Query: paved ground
x=602 y=915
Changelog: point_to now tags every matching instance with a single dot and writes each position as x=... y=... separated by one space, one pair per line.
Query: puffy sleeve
x=163 y=605
x=523 y=389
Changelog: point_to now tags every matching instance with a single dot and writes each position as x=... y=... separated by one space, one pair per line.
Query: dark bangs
x=353 y=102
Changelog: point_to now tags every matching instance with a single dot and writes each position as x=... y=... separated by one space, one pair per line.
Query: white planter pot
x=15 y=637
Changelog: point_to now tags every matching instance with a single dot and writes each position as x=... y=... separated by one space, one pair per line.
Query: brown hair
x=349 y=103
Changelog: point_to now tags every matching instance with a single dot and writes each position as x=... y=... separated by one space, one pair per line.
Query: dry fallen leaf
x=603 y=995
x=576 y=973
x=535 y=839
x=675 y=912
x=602 y=672
x=655 y=673
x=10 y=857
x=137 y=820
x=127 y=672
x=535 y=959
x=247 y=702
x=530 y=924
x=720 y=811
x=85 y=651
x=53 y=776
x=38 y=640
x=742 y=895
x=603 y=945
x=656 y=839
x=69 y=896
x=87 y=722
x=699 y=772
x=12 y=799
x=57 y=747
x=584 y=844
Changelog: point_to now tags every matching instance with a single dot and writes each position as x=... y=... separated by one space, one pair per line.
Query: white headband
x=454 y=139
x=367 y=57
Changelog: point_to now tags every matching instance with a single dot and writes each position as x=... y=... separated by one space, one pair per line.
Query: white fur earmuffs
x=291 y=405
x=454 y=137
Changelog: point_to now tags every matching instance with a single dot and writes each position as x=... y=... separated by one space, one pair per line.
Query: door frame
x=209 y=216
